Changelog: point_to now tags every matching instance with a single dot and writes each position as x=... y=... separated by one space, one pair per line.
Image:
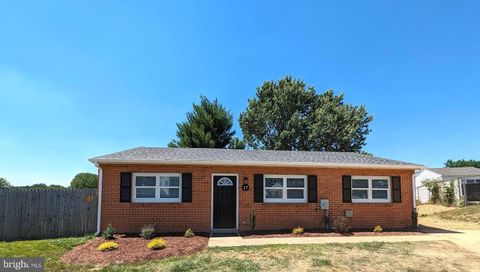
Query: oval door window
x=224 y=182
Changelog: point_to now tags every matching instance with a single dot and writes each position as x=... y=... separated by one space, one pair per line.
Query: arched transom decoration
x=224 y=182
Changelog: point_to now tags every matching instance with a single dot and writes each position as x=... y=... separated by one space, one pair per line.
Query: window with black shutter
x=258 y=188
x=187 y=187
x=125 y=187
x=347 y=189
x=396 y=190
x=312 y=189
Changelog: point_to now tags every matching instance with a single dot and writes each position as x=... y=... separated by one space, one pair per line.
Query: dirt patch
x=429 y=209
x=288 y=233
x=133 y=249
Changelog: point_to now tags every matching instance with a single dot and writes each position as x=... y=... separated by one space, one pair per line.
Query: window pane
x=145 y=181
x=273 y=193
x=379 y=194
x=169 y=193
x=295 y=182
x=145 y=193
x=295 y=194
x=169 y=181
x=477 y=181
x=380 y=183
x=470 y=181
x=274 y=182
x=359 y=194
x=359 y=183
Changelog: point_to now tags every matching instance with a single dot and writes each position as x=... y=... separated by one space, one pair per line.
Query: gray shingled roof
x=457 y=171
x=162 y=155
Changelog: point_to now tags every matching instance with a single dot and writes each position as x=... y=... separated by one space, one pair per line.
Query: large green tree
x=84 y=180
x=4 y=183
x=287 y=115
x=208 y=125
x=462 y=163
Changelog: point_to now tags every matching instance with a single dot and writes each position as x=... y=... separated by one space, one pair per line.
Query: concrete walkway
x=467 y=239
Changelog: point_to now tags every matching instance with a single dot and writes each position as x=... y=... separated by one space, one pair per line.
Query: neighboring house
x=459 y=175
x=217 y=189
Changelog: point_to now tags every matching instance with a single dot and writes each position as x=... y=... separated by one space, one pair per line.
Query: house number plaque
x=245 y=187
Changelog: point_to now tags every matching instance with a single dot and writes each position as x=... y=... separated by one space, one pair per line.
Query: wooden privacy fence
x=47 y=213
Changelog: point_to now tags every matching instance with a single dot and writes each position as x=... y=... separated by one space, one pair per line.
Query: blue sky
x=86 y=78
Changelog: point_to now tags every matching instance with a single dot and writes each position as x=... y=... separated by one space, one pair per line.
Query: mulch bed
x=133 y=249
x=321 y=233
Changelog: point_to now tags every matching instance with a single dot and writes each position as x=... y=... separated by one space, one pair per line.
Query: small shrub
x=297 y=230
x=433 y=186
x=460 y=202
x=108 y=233
x=156 y=244
x=341 y=224
x=252 y=220
x=449 y=194
x=189 y=233
x=377 y=228
x=415 y=218
x=107 y=246
x=148 y=231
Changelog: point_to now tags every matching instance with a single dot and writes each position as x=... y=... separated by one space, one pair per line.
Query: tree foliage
x=4 y=183
x=433 y=186
x=449 y=193
x=462 y=163
x=286 y=115
x=209 y=125
x=84 y=180
x=42 y=186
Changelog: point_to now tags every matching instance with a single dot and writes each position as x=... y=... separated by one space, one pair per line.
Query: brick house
x=217 y=189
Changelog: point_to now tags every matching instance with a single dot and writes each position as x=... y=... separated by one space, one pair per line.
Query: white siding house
x=459 y=175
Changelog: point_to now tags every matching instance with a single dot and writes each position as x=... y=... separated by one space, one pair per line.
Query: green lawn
x=421 y=256
x=50 y=249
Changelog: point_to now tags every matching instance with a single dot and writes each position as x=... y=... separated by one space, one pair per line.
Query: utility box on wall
x=348 y=213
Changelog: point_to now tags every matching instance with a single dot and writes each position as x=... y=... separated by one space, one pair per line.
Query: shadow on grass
x=429 y=229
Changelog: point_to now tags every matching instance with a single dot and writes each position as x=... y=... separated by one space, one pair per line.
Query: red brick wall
x=130 y=217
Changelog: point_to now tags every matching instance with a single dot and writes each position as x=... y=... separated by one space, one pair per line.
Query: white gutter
x=259 y=163
x=99 y=212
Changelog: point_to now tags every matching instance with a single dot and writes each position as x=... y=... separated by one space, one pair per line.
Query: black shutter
x=186 y=187
x=312 y=189
x=347 y=189
x=125 y=187
x=258 y=188
x=396 y=190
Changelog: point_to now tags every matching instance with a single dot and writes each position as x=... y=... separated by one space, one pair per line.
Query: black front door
x=224 y=202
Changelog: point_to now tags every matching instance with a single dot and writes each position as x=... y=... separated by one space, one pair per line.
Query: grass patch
x=50 y=249
x=455 y=218
x=375 y=256
x=372 y=246
x=467 y=214
x=321 y=262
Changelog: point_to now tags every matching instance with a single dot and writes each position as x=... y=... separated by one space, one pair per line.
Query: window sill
x=286 y=203
x=373 y=203
x=155 y=202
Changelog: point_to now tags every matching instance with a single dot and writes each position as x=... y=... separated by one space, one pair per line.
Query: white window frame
x=370 y=189
x=284 y=189
x=157 y=198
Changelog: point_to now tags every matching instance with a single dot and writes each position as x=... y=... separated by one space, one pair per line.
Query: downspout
x=414 y=192
x=99 y=212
